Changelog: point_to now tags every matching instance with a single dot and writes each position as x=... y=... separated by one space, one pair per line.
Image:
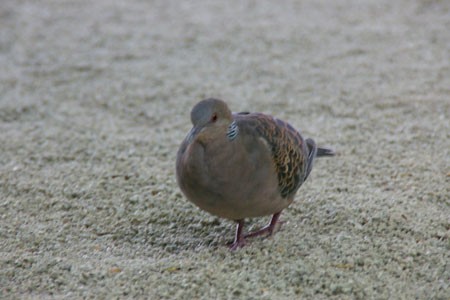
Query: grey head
x=210 y=111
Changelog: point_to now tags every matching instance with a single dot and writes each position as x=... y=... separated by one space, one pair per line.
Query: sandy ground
x=95 y=99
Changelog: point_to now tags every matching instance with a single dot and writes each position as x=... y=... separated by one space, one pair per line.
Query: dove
x=243 y=165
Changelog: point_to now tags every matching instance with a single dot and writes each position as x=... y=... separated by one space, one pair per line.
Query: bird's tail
x=314 y=152
x=325 y=152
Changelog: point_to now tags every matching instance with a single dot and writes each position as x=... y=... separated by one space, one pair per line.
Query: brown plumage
x=243 y=165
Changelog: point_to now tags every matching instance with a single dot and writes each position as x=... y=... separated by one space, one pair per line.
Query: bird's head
x=211 y=113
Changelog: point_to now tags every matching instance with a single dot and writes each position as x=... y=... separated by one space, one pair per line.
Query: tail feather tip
x=325 y=152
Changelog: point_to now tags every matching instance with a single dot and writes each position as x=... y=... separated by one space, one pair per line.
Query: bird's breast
x=232 y=179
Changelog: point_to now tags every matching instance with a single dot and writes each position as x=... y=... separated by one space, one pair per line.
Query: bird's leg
x=239 y=239
x=269 y=228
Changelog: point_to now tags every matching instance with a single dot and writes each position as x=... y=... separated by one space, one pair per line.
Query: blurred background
x=95 y=99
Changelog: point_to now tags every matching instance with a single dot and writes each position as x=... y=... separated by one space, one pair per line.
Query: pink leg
x=239 y=239
x=269 y=228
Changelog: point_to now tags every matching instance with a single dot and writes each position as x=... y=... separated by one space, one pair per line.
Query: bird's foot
x=237 y=244
x=265 y=230
x=268 y=229
x=239 y=239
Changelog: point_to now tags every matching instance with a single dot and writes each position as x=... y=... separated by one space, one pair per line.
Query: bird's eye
x=214 y=117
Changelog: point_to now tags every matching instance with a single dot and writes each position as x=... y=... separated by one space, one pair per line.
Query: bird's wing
x=288 y=149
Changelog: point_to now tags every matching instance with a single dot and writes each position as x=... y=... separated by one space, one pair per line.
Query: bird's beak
x=194 y=131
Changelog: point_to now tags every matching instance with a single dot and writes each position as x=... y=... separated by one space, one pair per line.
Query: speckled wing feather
x=288 y=148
